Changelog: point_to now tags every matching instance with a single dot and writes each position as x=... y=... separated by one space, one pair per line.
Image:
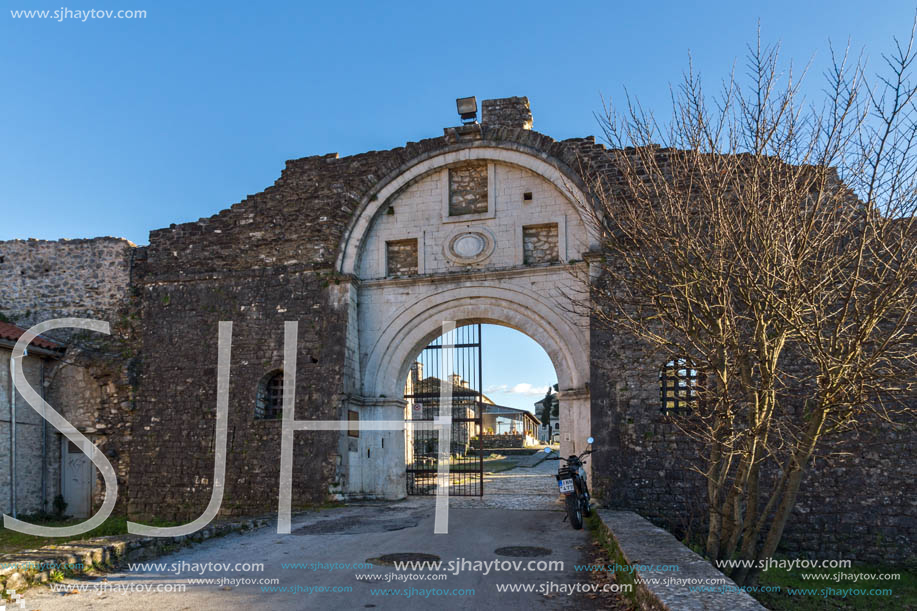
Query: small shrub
x=59 y=506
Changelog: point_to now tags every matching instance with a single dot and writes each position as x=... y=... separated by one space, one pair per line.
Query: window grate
x=269 y=402
x=678 y=385
x=274 y=407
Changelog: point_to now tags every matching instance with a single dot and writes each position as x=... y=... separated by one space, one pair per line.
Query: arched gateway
x=479 y=233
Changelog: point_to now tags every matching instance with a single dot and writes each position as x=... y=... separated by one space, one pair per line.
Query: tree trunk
x=748 y=576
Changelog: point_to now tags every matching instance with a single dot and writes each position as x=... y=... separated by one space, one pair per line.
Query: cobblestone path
x=521 y=488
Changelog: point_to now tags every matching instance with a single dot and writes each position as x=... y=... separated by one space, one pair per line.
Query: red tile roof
x=13 y=333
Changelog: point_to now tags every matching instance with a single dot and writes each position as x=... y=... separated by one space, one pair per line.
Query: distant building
x=546 y=430
x=422 y=395
x=510 y=422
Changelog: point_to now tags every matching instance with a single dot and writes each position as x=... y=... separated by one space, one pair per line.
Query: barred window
x=678 y=385
x=269 y=400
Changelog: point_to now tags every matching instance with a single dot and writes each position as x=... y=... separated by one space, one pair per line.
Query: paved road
x=356 y=534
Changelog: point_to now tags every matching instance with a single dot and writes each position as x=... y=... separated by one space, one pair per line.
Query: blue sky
x=517 y=370
x=116 y=127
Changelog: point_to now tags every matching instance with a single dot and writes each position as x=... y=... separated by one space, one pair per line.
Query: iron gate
x=422 y=393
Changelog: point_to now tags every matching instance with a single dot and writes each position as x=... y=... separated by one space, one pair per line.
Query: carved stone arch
x=552 y=170
x=413 y=328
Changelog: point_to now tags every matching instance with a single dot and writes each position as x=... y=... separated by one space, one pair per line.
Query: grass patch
x=903 y=591
x=496 y=466
x=613 y=556
x=493 y=463
x=13 y=541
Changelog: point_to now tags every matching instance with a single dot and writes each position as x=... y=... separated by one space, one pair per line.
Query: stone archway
x=389 y=359
x=392 y=316
x=566 y=346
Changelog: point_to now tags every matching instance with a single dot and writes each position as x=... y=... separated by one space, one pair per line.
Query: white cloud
x=523 y=388
x=527 y=389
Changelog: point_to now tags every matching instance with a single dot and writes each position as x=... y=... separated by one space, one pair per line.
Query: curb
x=638 y=542
x=533 y=461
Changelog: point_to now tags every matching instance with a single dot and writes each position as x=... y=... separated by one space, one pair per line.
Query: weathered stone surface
x=41 y=279
x=401 y=257
x=90 y=384
x=540 y=243
x=174 y=424
x=850 y=495
x=468 y=188
x=507 y=112
x=15 y=581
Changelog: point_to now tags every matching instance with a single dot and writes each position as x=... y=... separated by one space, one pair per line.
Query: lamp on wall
x=467 y=109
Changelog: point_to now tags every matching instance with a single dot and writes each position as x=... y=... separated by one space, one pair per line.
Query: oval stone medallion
x=467 y=246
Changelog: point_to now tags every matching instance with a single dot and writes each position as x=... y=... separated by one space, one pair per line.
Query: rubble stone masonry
x=539 y=243
x=91 y=384
x=468 y=189
x=41 y=279
x=401 y=257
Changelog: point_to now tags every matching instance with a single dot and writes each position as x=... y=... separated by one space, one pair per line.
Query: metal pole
x=479 y=411
x=44 y=445
x=12 y=440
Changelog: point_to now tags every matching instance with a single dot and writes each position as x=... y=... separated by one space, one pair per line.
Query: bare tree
x=769 y=245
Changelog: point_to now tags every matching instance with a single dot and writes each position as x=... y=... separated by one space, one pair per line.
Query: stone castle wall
x=41 y=279
x=271 y=258
x=263 y=261
x=856 y=500
x=91 y=385
x=174 y=426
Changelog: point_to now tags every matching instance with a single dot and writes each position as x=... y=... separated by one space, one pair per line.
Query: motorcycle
x=571 y=478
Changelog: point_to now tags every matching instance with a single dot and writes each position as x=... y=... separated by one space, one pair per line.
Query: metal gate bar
x=422 y=393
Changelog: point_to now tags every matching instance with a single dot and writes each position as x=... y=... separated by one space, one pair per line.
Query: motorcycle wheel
x=585 y=502
x=574 y=511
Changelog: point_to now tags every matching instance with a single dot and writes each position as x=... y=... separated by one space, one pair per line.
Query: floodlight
x=467 y=109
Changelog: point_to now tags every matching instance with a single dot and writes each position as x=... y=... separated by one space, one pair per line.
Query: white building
x=547 y=431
